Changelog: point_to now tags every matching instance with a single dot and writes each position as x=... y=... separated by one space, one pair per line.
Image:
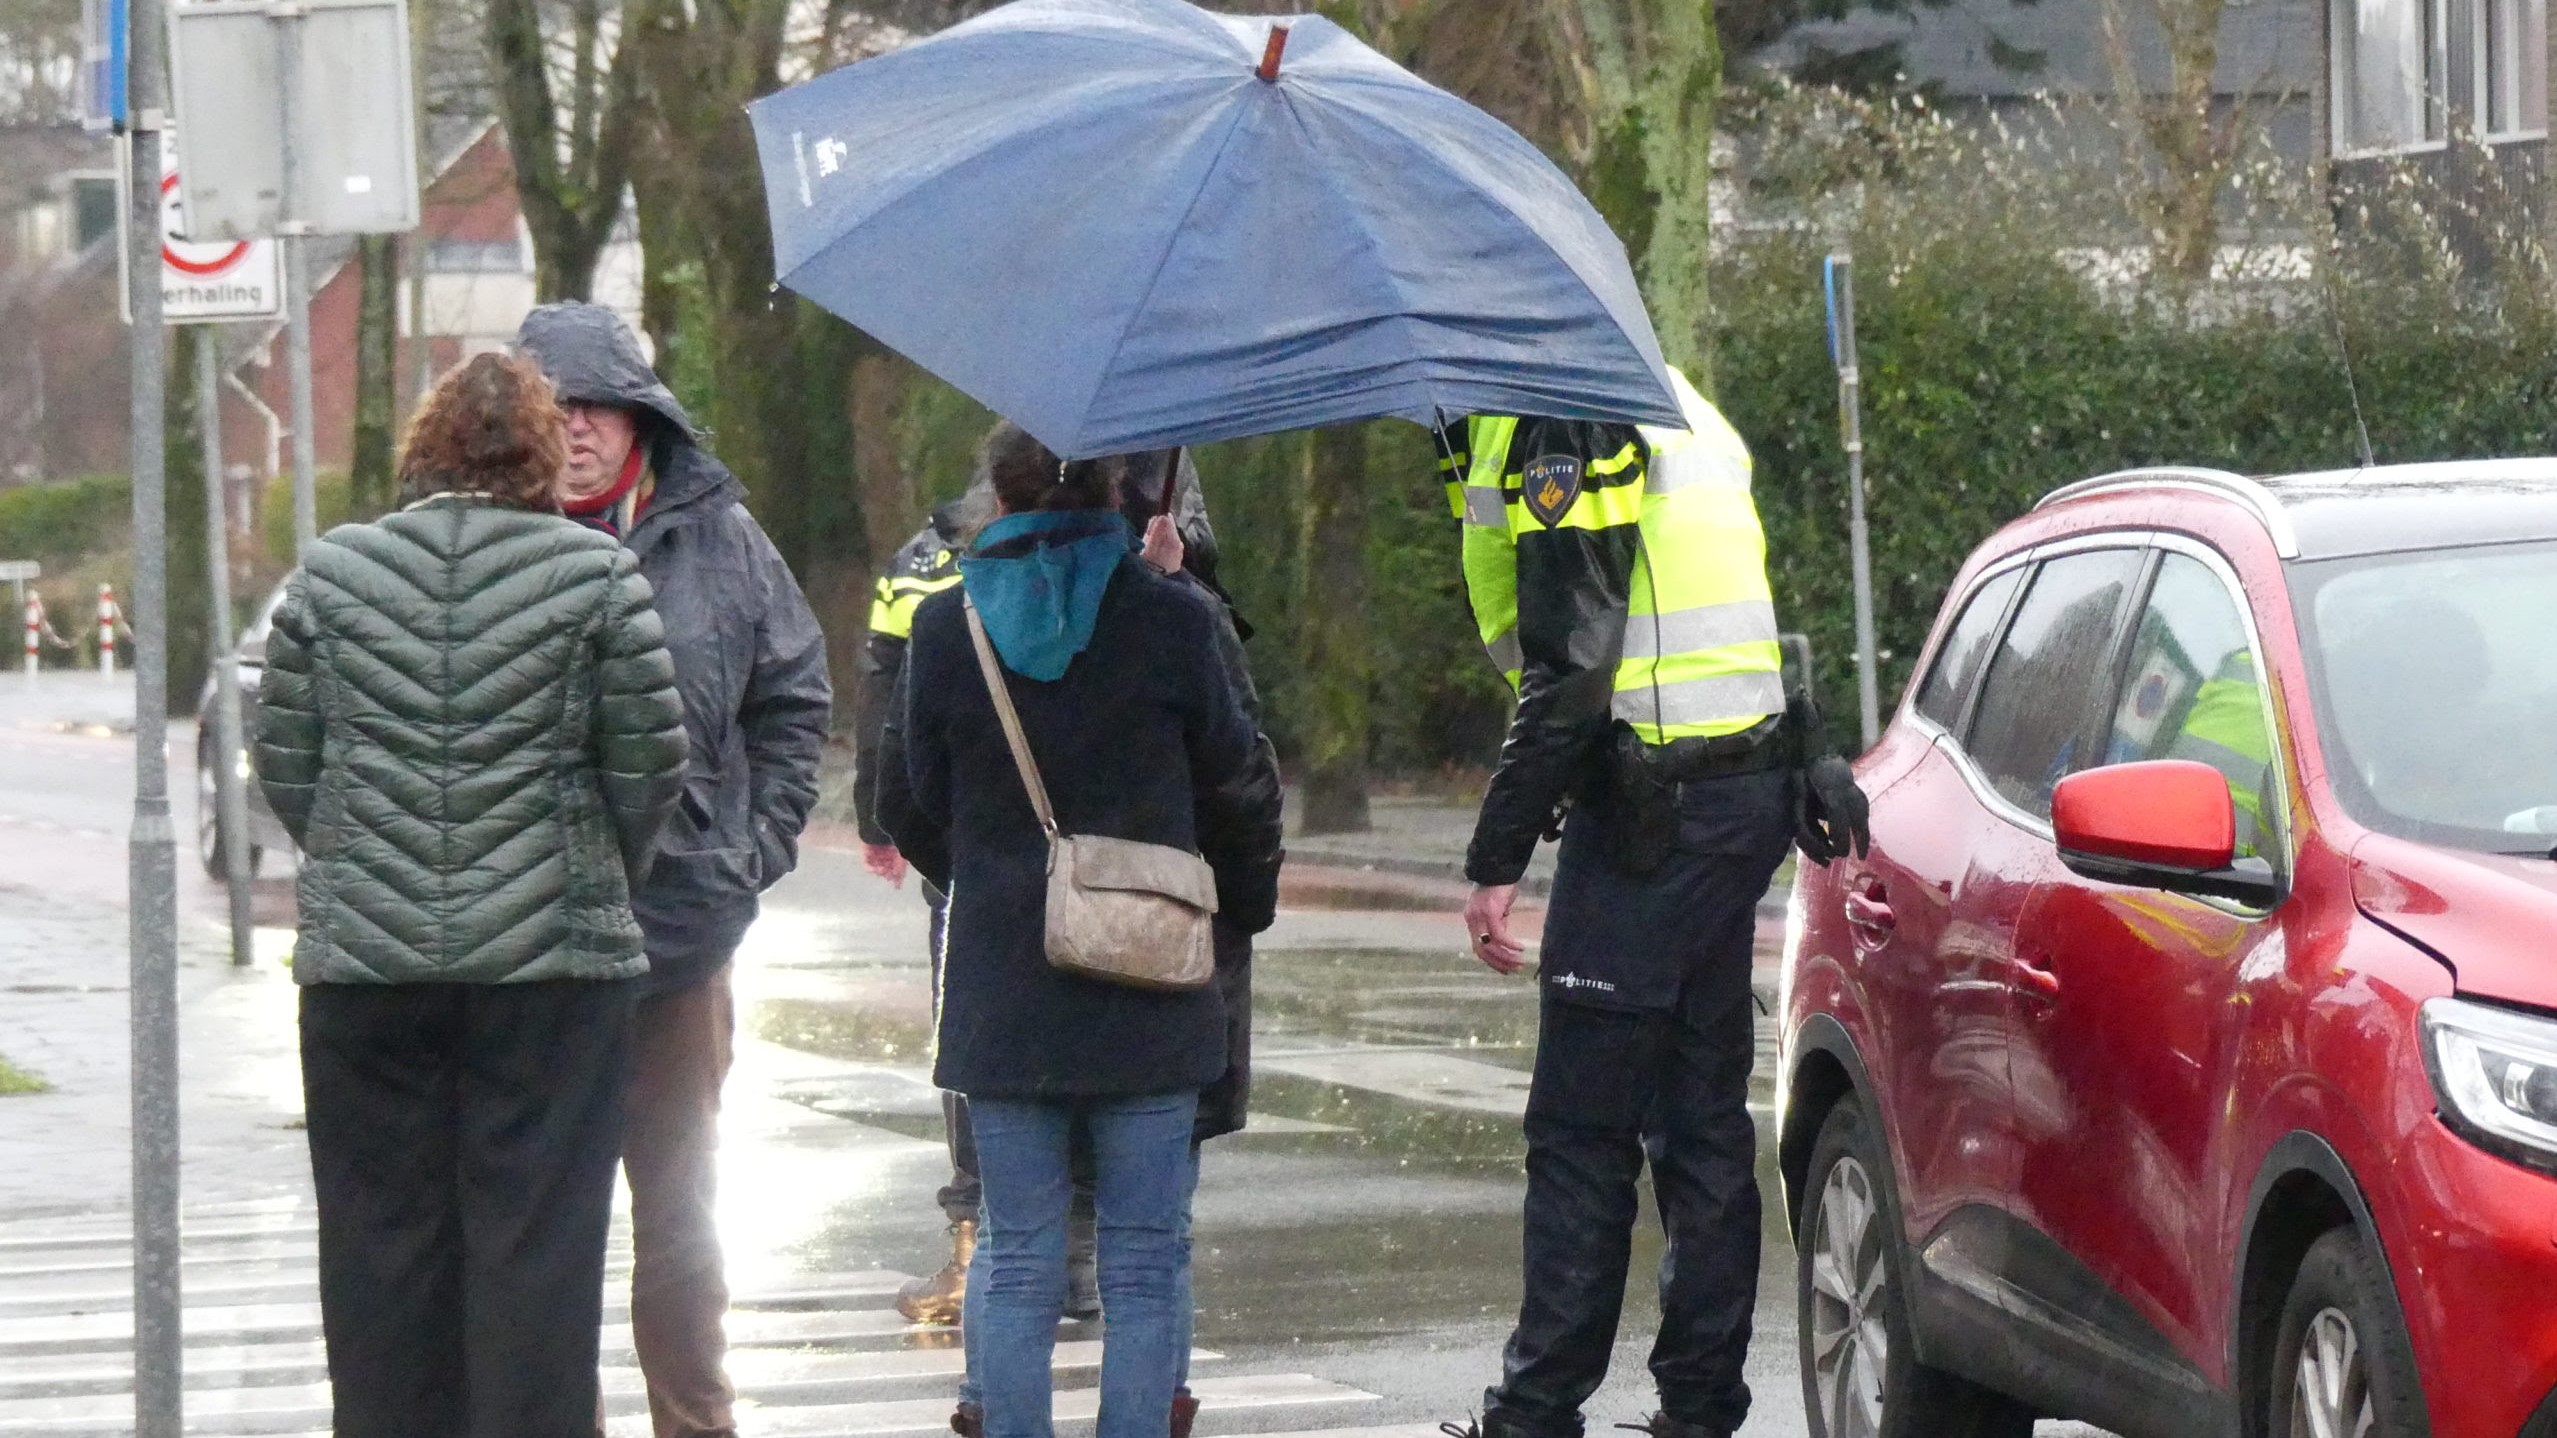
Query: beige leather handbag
x=1118 y=911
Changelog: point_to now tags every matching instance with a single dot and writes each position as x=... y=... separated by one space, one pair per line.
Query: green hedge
x=61 y=524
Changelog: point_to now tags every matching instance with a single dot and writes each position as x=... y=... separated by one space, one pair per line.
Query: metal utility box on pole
x=1839 y=280
x=306 y=124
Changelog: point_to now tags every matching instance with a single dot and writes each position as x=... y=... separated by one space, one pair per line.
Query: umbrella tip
x=1270 y=56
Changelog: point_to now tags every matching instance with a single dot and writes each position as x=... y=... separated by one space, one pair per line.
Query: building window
x=2512 y=68
x=2404 y=72
x=2390 y=59
x=475 y=257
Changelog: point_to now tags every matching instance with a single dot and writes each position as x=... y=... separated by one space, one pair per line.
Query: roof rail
x=2255 y=497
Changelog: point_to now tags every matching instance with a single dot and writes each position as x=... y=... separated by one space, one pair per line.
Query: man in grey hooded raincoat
x=751 y=667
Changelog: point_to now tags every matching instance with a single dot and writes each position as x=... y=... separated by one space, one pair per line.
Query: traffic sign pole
x=297 y=277
x=230 y=797
x=1840 y=282
x=158 y=1357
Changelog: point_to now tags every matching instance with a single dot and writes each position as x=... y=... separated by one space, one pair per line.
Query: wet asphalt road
x=1365 y=1228
x=1362 y=1234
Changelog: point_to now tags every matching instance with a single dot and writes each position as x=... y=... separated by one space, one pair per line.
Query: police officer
x=926 y=564
x=1618 y=577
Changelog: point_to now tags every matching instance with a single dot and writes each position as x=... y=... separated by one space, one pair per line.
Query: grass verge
x=15 y=1080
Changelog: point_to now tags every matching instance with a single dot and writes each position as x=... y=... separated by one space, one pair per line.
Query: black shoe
x=1492 y=1424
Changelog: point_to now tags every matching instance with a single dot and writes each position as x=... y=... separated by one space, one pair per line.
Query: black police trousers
x=1664 y=1077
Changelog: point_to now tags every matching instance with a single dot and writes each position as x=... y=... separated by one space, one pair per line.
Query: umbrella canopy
x=1100 y=220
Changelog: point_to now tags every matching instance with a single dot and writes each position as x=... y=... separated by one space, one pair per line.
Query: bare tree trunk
x=569 y=183
x=1648 y=75
x=1331 y=618
x=2191 y=142
x=368 y=479
x=421 y=348
x=190 y=556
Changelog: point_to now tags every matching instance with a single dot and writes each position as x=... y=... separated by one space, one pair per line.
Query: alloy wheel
x=1850 y=1346
x=2332 y=1390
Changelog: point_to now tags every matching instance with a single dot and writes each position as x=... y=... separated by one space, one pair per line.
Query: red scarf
x=596 y=506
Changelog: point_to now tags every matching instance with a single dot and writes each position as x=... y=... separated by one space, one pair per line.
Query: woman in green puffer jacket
x=469 y=724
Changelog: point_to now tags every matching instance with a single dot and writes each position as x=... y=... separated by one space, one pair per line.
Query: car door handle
x=1869 y=914
x=2035 y=976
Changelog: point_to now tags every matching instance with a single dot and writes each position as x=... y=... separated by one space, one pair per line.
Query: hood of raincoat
x=1037 y=580
x=593 y=358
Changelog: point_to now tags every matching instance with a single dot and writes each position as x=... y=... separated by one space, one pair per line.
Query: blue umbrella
x=1133 y=224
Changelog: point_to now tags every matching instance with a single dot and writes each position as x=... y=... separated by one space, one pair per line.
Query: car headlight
x=2494 y=1072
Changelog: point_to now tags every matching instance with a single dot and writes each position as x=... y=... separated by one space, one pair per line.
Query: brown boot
x=969 y=1421
x=1185 y=1411
x=936 y=1299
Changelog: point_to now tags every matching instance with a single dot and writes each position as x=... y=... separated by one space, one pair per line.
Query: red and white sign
x=228 y=280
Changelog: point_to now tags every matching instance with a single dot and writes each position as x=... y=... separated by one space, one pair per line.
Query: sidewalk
x=1413 y=857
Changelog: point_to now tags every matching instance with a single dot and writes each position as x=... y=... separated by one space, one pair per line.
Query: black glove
x=1831 y=817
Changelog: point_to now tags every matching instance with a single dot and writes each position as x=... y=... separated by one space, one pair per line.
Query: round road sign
x=184 y=255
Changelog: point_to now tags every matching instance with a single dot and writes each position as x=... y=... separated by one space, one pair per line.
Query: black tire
x=2341 y=1352
x=1852 y=1312
x=208 y=824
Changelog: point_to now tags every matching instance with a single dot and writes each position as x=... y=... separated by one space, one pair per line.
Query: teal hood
x=1037 y=580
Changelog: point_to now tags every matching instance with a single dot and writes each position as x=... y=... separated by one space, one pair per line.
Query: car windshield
x=2437 y=685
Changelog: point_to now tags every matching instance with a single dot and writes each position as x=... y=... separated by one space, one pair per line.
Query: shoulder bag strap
x=1011 y=718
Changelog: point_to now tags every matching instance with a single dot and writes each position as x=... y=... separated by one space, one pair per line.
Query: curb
x=1341 y=868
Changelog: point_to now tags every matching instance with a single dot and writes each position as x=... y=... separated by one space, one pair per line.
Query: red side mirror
x=2164 y=813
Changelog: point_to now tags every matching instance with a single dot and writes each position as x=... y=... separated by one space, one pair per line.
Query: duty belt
x=1753 y=750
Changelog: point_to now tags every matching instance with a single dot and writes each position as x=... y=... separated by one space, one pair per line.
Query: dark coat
x=749 y=659
x=469 y=724
x=1145 y=737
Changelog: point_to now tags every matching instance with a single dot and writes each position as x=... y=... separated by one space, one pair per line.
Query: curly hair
x=493 y=427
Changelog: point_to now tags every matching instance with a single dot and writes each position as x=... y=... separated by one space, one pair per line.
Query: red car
x=2183 y=1058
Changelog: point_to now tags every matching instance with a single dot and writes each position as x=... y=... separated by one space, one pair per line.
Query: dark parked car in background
x=265 y=832
x=2183 y=1057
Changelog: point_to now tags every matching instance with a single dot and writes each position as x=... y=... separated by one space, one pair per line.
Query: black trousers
x=1621 y=1080
x=463 y=1141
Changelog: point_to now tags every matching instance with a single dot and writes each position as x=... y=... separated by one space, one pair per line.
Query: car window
x=253 y=639
x=1958 y=662
x=2028 y=729
x=2192 y=691
x=2437 y=680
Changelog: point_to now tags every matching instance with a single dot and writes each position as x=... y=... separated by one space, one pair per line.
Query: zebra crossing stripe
x=926 y=1415
x=293 y=1405
x=754 y=1318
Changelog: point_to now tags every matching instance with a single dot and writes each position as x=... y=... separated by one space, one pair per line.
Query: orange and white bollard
x=35 y=629
x=107 y=617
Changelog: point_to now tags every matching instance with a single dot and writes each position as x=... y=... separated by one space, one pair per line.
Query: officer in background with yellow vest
x=1618 y=576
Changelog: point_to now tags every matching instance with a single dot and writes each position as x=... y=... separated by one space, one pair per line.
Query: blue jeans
x=972 y=1392
x=1144 y=1171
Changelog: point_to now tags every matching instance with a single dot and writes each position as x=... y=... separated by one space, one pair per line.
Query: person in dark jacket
x=751 y=665
x=927 y=564
x=1123 y=694
x=469 y=726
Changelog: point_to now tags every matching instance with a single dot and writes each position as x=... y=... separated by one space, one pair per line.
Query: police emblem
x=1549 y=485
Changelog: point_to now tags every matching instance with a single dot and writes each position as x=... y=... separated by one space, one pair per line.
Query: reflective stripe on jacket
x=2225 y=729
x=927 y=565
x=1698 y=653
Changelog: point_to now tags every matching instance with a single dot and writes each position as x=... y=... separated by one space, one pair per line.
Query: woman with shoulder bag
x=1077 y=978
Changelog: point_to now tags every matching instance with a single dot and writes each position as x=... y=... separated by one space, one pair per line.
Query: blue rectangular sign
x=108 y=25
